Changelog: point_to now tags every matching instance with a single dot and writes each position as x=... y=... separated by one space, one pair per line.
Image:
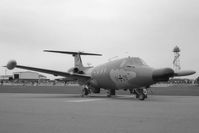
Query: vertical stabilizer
x=78 y=61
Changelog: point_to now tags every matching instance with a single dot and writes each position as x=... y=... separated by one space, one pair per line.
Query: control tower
x=176 y=61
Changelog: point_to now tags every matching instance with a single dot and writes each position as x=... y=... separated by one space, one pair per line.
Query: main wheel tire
x=85 y=92
x=108 y=95
x=141 y=96
x=136 y=95
x=112 y=92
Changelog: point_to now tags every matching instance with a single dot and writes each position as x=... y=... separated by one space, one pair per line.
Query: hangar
x=6 y=77
x=23 y=77
x=28 y=75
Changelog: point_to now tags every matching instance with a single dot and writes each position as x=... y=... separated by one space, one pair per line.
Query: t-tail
x=77 y=57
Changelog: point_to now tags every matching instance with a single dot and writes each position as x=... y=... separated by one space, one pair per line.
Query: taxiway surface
x=69 y=113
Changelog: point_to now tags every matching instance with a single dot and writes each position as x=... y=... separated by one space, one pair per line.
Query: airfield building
x=6 y=77
x=28 y=75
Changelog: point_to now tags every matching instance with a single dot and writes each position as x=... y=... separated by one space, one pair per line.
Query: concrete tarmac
x=177 y=90
x=69 y=113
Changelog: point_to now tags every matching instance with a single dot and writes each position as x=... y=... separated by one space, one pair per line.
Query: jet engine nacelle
x=75 y=70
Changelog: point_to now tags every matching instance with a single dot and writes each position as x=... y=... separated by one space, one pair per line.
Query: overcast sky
x=149 y=29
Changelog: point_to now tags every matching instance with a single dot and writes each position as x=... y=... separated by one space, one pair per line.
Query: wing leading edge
x=12 y=64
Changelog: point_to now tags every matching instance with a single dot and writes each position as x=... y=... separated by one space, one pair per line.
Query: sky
x=148 y=29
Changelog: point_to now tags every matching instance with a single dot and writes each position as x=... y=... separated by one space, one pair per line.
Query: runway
x=69 y=113
x=174 y=90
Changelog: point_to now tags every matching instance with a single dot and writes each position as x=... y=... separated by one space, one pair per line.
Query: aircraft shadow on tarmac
x=77 y=96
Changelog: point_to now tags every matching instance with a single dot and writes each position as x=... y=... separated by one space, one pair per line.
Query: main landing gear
x=111 y=92
x=140 y=93
x=85 y=91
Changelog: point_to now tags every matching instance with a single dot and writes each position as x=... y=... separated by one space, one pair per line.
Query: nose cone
x=162 y=74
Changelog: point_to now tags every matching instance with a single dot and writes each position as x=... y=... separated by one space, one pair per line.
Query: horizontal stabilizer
x=184 y=73
x=72 y=53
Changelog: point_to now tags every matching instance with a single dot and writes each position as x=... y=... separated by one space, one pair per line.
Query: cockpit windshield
x=137 y=61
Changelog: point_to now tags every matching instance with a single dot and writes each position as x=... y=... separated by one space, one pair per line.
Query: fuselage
x=125 y=73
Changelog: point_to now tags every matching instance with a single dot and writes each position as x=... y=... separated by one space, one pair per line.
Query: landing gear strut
x=111 y=92
x=85 y=91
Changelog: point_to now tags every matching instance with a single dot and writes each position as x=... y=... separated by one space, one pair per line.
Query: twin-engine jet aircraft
x=130 y=73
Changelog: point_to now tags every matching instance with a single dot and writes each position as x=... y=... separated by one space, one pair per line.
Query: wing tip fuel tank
x=11 y=64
